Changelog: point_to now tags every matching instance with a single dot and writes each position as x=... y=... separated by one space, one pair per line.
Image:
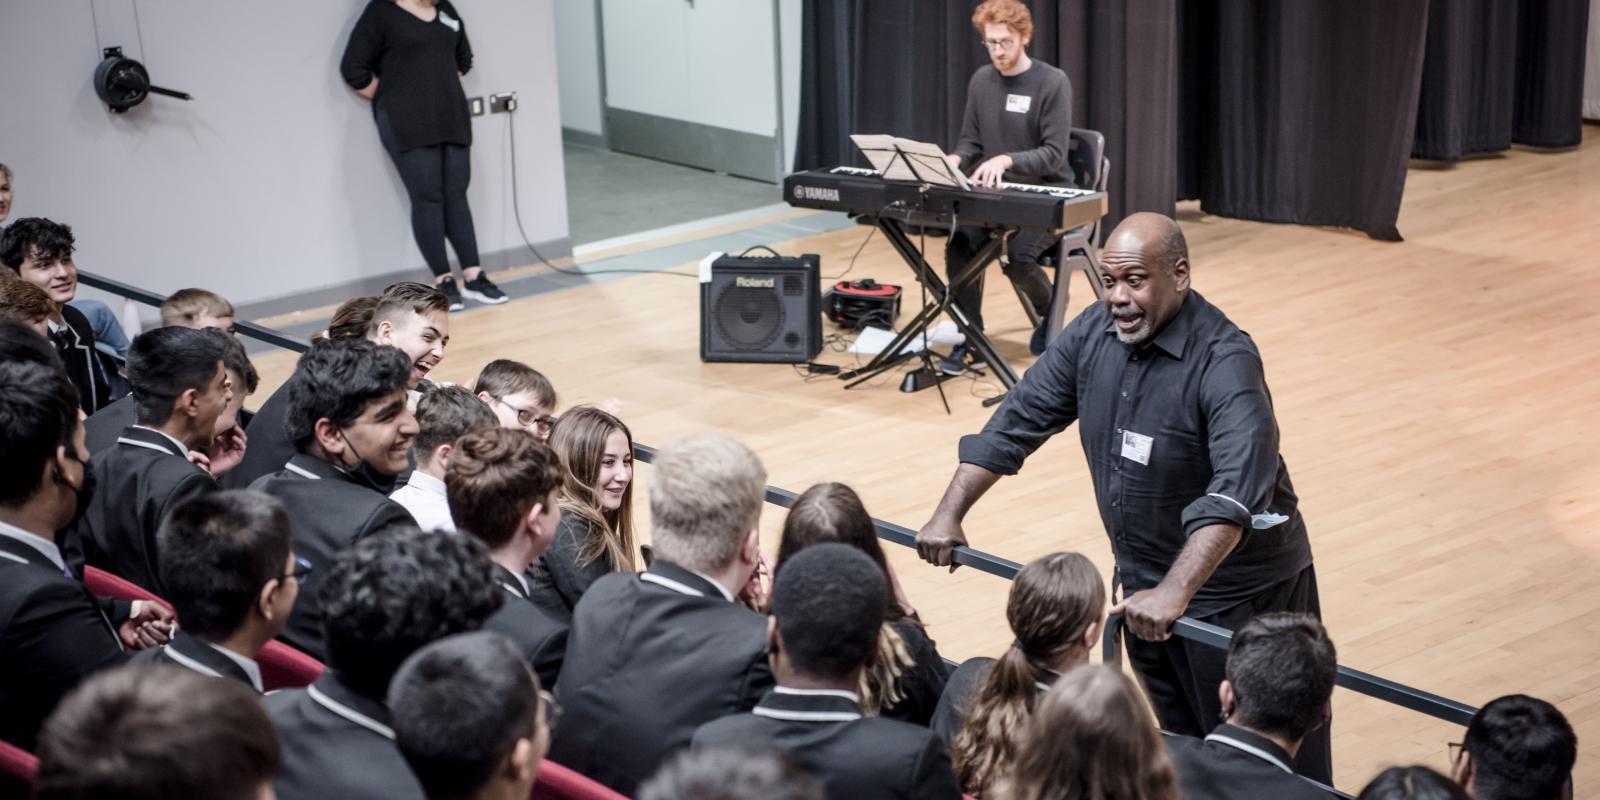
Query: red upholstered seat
x=104 y=584
x=283 y=667
x=559 y=783
x=17 y=768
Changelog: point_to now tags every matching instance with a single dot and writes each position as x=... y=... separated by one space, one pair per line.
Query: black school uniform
x=652 y=656
x=540 y=639
x=198 y=656
x=824 y=733
x=1232 y=763
x=328 y=511
x=53 y=633
x=141 y=480
x=337 y=743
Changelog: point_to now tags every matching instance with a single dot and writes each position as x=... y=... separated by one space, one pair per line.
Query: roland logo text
x=754 y=283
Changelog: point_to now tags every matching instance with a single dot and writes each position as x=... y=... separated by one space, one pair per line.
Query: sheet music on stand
x=898 y=159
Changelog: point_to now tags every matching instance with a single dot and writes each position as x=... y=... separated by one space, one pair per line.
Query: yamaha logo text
x=816 y=193
x=754 y=283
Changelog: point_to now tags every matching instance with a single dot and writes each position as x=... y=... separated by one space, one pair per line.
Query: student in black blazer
x=906 y=675
x=823 y=630
x=502 y=485
x=386 y=597
x=408 y=316
x=228 y=571
x=40 y=251
x=1281 y=670
x=653 y=656
x=227 y=447
x=181 y=388
x=347 y=416
x=53 y=633
x=469 y=719
x=595 y=538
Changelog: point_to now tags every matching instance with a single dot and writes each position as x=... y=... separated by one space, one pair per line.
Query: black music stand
x=926 y=168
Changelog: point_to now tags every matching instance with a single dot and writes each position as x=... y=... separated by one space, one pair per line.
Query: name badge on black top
x=1018 y=103
x=449 y=22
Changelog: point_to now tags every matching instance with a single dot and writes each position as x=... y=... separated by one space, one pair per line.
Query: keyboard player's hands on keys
x=992 y=172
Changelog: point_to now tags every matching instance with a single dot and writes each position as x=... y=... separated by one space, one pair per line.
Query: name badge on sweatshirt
x=1018 y=103
x=449 y=22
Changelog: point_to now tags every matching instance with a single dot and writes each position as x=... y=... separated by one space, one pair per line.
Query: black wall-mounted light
x=123 y=83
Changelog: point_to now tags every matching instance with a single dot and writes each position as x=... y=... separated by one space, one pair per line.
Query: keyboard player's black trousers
x=1023 y=268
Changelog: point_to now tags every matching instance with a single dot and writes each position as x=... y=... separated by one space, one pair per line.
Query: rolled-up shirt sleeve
x=1040 y=406
x=1243 y=444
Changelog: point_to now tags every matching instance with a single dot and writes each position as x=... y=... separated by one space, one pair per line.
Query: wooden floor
x=1439 y=401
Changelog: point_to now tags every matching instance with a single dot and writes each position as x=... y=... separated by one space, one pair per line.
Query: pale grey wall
x=578 y=64
x=789 y=27
x=272 y=182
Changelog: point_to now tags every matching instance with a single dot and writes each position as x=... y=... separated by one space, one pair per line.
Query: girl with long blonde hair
x=595 y=536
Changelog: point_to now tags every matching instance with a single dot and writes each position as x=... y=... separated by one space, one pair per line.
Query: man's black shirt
x=1192 y=405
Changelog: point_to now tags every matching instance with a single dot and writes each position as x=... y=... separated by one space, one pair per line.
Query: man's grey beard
x=1137 y=335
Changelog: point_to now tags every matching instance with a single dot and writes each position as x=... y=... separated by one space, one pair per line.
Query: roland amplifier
x=760 y=309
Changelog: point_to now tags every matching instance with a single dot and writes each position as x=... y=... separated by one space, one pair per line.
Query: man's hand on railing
x=938 y=540
x=1149 y=614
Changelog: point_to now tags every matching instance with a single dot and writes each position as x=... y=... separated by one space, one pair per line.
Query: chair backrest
x=103 y=584
x=17 y=770
x=1086 y=157
x=560 y=783
x=283 y=667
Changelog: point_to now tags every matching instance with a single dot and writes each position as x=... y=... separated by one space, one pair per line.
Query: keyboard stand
x=941 y=302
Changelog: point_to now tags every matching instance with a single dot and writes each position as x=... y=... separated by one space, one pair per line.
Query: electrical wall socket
x=475 y=104
x=502 y=101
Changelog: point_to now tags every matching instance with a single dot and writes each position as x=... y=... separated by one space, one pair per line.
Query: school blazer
x=651 y=657
x=1232 y=762
x=337 y=744
x=53 y=635
x=328 y=512
x=196 y=656
x=140 y=481
x=855 y=757
x=541 y=639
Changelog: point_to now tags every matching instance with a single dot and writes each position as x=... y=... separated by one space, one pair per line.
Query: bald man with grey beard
x=1182 y=444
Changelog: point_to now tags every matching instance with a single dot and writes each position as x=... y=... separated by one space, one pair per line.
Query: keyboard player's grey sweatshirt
x=1027 y=116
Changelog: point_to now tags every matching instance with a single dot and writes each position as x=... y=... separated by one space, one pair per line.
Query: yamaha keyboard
x=1013 y=205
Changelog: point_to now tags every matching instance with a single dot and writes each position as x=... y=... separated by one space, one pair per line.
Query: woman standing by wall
x=407 y=57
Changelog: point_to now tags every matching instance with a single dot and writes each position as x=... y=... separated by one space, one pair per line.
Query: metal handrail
x=250 y=330
x=1355 y=680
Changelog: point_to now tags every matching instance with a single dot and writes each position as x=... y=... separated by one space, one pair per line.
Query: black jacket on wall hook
x=123 y=83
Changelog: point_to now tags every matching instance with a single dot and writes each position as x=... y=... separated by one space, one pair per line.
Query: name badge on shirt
x=449 y=22
x=1136 y=447
x=1018 y=103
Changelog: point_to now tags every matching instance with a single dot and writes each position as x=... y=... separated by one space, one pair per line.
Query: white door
x=694 y=82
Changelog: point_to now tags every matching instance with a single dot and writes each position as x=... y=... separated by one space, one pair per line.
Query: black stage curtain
x=1302 y=111
x=1551 y=46
x=1467 y=79
x=901 y=67
x=1498 y=72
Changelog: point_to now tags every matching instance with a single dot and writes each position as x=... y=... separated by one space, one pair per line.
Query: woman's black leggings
x=436 y=177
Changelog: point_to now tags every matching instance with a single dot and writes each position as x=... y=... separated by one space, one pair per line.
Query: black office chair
x=1078 y=248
